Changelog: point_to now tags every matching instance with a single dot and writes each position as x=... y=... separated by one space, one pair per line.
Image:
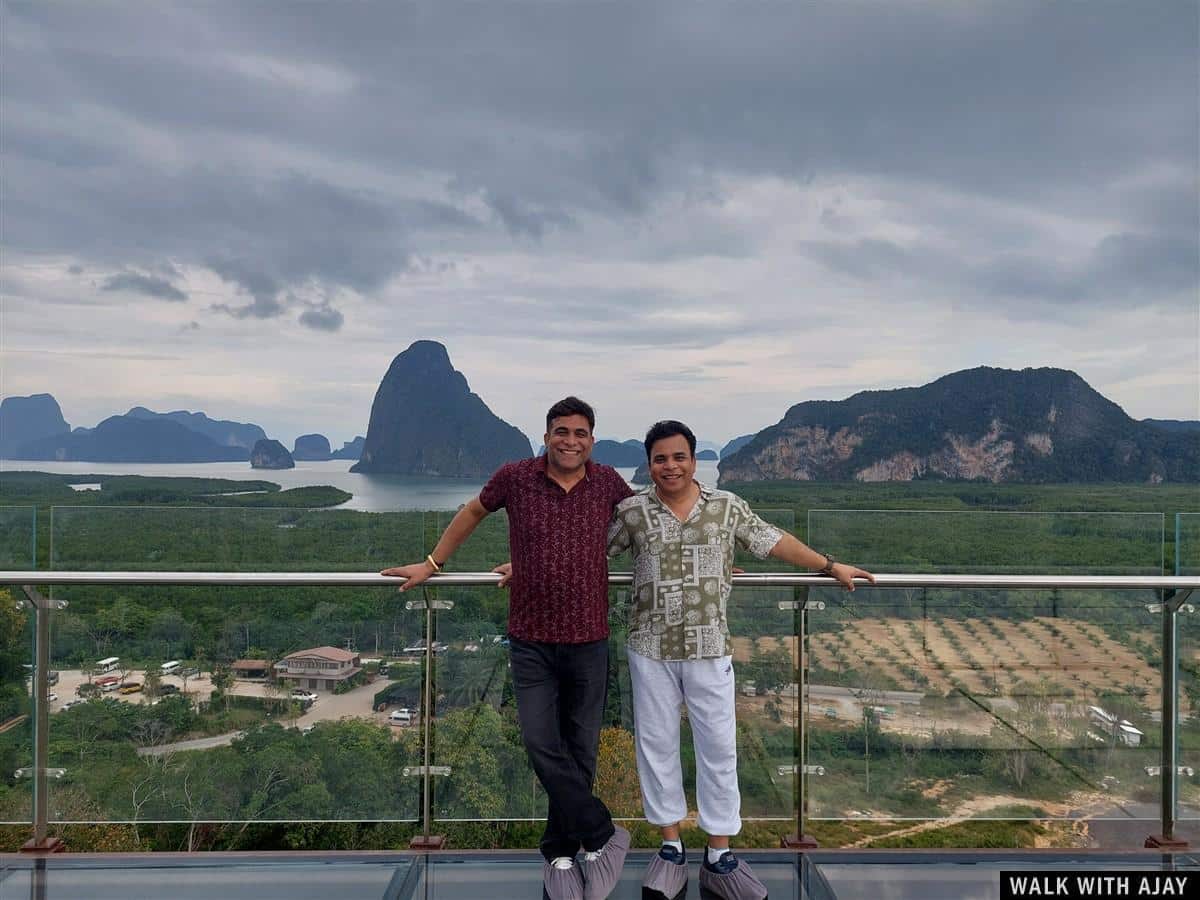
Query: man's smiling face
x=672 y=466
x=569 y=443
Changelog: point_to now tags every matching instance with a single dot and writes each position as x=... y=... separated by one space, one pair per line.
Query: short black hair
x=571 y=406
x=665 y=429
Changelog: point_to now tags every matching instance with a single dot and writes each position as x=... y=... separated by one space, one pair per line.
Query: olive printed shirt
x=683 y=571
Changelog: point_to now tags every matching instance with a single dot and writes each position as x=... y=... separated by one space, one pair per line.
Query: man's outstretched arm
x=465 y=521
x=796 y=552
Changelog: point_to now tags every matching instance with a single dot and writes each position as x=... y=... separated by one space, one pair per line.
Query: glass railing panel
x=982 y=704
x=475 y=730
x=1187 y=543
x=763 y=625
x=18 y=550
x=197 y=701
x=18 y=537
x=930 y=541
x=1187 y=562
x=935 y=704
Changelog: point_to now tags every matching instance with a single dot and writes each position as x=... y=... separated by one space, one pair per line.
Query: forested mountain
x=426 y=421
x=1191 y=425
x=130 y=439
x=312 y=447
x=351 y=450
x=1033 y=425
x=222 y=431
x=24 y=419
x=736 y=444
x=622 y=455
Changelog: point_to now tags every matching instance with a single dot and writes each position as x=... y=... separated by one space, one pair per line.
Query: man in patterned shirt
x=559 y=506
x=683 y=536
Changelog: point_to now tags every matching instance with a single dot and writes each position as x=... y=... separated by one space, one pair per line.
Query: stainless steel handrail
x=476 y=579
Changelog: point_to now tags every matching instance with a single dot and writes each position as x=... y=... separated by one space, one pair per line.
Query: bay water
x=372 y=493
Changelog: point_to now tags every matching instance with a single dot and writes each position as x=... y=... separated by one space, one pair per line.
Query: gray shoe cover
x=600 y=875
x=561 y=884
x=664 y=880
x=740 y=884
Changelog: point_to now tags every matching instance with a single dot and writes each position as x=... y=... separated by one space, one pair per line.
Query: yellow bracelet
x=433 y=562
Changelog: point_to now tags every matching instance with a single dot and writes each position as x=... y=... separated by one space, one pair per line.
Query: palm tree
x=476 y=677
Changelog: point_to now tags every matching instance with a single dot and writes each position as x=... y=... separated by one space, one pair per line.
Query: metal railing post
x=427 y=840
x=41 y=842
x=1169 y=734
x=799 y=840
x=427 y=725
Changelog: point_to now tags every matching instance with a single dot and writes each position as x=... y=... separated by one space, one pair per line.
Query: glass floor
x=449 y=875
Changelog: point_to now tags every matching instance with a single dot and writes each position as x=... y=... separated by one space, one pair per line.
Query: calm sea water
x=372 y=493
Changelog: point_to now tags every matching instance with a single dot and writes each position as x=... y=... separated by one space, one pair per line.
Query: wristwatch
x=827 y=569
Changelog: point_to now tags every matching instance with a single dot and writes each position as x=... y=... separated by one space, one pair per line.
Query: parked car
x=130 y=687
x=304 y=696
x=75 y=702
x=400 y=716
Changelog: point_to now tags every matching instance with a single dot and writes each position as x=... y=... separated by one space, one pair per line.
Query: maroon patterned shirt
x=559 y=588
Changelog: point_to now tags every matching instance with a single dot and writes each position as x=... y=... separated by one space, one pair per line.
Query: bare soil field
x=1075 y=660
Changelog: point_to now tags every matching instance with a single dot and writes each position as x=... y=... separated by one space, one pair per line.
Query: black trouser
x=560 y=691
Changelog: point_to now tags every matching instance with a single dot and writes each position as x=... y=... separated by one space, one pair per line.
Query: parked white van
x=168 y=667
x=400 y=716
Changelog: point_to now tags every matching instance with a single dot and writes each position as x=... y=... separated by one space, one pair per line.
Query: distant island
x=268 y=454
x=426 y=421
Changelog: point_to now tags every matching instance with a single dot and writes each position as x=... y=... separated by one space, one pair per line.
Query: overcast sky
x=707 y=211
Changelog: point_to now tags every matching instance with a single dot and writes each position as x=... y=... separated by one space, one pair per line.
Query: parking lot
x=355 y=703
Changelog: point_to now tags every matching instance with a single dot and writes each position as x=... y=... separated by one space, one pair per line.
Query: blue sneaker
x=666 y=877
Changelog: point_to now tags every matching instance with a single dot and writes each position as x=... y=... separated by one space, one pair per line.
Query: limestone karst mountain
x=426 y=421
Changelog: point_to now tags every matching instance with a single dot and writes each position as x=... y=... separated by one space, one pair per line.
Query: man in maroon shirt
x=559 y=506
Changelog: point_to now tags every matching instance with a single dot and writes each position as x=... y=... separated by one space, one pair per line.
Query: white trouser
x=660 y=688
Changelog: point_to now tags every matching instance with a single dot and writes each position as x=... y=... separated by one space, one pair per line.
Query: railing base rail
x=45 y=845
x=427 y=842
x=1159 y=842
x=799 y=842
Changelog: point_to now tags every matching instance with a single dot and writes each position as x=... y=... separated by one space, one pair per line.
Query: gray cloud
x=322 y=318
x=251 y=279
x=544 y=125
x=521 y=218
x=603 y=176
x=149 y=285
x=1156 y=267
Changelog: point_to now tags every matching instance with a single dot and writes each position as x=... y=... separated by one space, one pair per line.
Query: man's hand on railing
x=415 y=573
x=845 y=575
x=505 y=570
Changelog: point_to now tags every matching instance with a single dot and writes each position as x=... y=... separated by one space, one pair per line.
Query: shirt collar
x=705 y=493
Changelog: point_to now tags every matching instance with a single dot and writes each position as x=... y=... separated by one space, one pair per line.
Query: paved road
x=207 y=743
